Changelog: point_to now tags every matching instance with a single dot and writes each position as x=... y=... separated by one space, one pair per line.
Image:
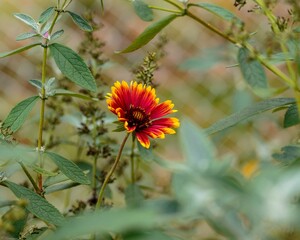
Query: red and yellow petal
x=162 y=109
x=143 y=139
x=166 y=122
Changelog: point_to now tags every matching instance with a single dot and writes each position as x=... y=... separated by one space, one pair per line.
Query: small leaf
x=36 y=83
x=72 y=66
x=248 y=112
x=28 y=35
x=46 y=15
x=63 y=92
x=219 y=11
x=37 y=205
x=69 y=168
x=19 y=113
x=18 y=50
x=60 y=187
x=291 y=116
x=252 y=70
x=289 y=154
x=198 y=150
x=142 y=10
x=42 y=171
x=27 y=20
x=80 y=22
x=56 y=35
x=149 y=33
x=133 y=195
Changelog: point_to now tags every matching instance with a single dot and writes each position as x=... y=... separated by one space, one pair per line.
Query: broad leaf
x=149 y=33
x=291 y=116
x=252 y=70
x=80 y=22
x=198 y=150
x=46 y=15
x=28 y=35
x=219 y=11
x=63 y=92
x=19 y=113
x=142 y=10
x=37 y=205
x=27 y=20
x=69 y=168
x=72 y=66
x=18 y=50
x=248 y=112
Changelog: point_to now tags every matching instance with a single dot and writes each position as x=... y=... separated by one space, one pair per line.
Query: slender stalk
x=110 y=173
x=132 y=160
x=94 y=181
x=174 y=4
x=164 y=9
x=36 y=188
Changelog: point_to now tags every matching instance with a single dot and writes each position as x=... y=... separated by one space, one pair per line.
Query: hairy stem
x=110 y=173
x=36 y=188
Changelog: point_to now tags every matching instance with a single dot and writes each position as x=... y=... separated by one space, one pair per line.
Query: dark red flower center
x=137 y=117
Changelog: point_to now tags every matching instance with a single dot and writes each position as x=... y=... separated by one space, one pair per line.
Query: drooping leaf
x=37 y=205
x=46 y=15
x=57 y=34
x=199 y=152
x=252 y=70
x=291 y=116
x=219 y=11
x=133 y=195
x=80 y=22
x=69 y=168
x=142 y=10
x=63 y=92
x=72 y=66
x=27 y=20
x=248 y=112
x=27 y=35
x=36 y=83
x=149 y=33
x=18 y=50
x=19 y=113
x=289 y=154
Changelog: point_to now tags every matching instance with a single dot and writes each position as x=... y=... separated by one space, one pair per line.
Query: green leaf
x=27 y=35
x=248 y=112
x=291 y=116
x=63 y=92
x=289 y=154
x=27 y=20
x=36 y=83
x=219 y=11
x=72 y=66
x=198 y=151
x=133 y=195
x=252 y=70
x=18 y=50
x=56 y=35
x=46 y=15
x=69 y=168
x=42 y=171
x=100 y=222
x=37 y=205
x=80 y=22
x=60 y=187
x=149 y=33
x=145 y=154
x=19 y=113
x=142 y=10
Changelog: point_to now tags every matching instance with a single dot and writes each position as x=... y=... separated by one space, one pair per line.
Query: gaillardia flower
x=137 y=106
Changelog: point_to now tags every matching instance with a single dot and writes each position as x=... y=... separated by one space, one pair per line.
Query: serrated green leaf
x=80 y=22
x=28 y=35
x=56 y=35
x=72 y=66
x=219 y=11
x=248 y=112
x=199 y=152
x=69 y=168
x=252 y=70
x=46 y=15
x=149 y=33
x=37 y=205
x=291 y=116
x=36 y=83
x=142 y=10
x=27 y=20
x=18 y=50
x=133 y=195
x=63 y=92
x=19 y=113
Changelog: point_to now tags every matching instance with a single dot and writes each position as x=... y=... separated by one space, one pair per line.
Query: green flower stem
x=94 y=181
x=36 y=188
x=110 y=173
x=132 y=160
x=165 y=9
